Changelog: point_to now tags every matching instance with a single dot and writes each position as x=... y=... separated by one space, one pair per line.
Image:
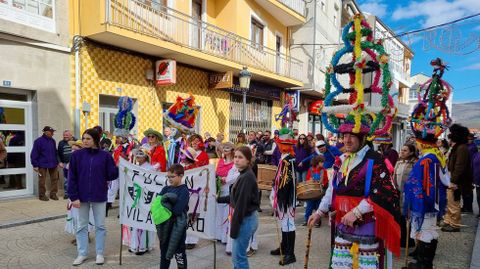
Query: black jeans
x=467 y=197
x=180 y=256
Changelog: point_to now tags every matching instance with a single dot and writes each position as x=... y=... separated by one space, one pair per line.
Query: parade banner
x=139 y=187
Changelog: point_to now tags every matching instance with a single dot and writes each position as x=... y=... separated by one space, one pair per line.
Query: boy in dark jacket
x=179 y=212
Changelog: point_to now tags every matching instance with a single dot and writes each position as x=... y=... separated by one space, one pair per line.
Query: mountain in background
x=467 y=114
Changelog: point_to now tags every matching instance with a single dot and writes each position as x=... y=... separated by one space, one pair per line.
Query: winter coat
x=459 y=166
x=88 y=173
x=44 y=153
x=173 y=231
x=64 y=151
x=300 y=154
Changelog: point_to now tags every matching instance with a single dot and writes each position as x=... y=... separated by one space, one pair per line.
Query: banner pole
x=121 y=245
x=214 y=254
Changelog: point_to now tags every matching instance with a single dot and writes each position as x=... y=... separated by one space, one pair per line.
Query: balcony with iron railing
x=287 y=12
x=158 y=30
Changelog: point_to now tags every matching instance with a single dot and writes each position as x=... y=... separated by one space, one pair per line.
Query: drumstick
x=307 y=250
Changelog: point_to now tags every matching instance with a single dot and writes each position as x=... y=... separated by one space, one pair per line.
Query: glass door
x=16 y=172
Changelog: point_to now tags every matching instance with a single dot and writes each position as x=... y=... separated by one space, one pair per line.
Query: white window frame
x=22 y=16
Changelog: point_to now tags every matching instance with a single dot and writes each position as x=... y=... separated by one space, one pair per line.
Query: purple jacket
x=44 y=153
x=300 y=154
x=89 y=171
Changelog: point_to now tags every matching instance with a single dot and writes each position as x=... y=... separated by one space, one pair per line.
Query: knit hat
x=182 y=114
x=124 y=119
x=430 y=117
x=367 y=57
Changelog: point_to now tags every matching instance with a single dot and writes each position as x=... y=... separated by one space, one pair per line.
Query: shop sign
x=295 y=100
x=220 y=80
x=166 y=72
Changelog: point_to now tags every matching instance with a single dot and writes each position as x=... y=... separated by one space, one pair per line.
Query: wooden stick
x=214 y=254
x=121 y=244
x=307 y=251
x=407 y=237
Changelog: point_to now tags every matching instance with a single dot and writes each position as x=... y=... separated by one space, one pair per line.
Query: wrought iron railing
x=148 y=18
x=296 y=5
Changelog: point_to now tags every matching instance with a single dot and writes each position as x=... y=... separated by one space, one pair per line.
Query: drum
x=266 y=175
x=310 y=190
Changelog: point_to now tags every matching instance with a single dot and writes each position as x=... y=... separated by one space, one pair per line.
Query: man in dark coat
x=459 y=166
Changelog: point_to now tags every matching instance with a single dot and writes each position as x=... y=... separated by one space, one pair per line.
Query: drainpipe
x=77 y=41
x=314 y=42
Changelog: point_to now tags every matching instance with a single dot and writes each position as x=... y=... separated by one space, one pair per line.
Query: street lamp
x=245 y=77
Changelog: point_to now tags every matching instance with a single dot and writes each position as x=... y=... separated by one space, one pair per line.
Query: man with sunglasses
x=64 y=152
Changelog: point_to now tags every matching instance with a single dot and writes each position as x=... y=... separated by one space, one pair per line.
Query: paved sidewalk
x=46 y=245
x=29 y=210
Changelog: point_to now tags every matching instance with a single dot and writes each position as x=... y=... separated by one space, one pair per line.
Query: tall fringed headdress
x=286 y=117
x=430 y=117
x=182 y=114
x=124 y=119
x=367 y=56
x=288 y=114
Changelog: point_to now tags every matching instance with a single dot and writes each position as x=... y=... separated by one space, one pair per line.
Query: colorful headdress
x=285 y=136
x=383 y=139
x=430 y=117
x=367 y=56
x=182 y=114
x=124 y=119
x=288 y=114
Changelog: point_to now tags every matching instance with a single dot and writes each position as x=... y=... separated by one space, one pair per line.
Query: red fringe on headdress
x=386 y=228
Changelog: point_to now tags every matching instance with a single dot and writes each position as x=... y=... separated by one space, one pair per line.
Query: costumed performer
x=139 y=241
x=426 y=187
x=124 y=123
x=361 y=191
x=155 y=149
x=181 y=115
x=283 y=196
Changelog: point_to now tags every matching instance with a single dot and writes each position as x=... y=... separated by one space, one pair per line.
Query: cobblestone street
x=46 y=245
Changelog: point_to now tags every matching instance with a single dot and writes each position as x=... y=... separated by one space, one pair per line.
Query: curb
x=475 y=262
x=30 y=221
x=35 y=220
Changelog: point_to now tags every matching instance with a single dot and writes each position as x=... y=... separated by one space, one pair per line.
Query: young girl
x=316 y=173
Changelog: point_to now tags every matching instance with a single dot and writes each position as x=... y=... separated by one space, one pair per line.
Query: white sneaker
x=100 y=259
x=79 y=260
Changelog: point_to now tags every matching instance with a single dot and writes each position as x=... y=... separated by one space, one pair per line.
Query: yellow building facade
x=124 y=38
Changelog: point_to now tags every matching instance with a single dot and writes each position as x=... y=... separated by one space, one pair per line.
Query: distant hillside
x=467 y=114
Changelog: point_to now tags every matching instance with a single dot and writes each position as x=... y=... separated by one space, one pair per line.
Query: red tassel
x=386 y=228
x=426 y=175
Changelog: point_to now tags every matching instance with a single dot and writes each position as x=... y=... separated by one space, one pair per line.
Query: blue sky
x=464 y=61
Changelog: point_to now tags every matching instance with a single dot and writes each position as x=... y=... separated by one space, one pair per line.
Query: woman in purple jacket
x=90 y=169
x=302 y=150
